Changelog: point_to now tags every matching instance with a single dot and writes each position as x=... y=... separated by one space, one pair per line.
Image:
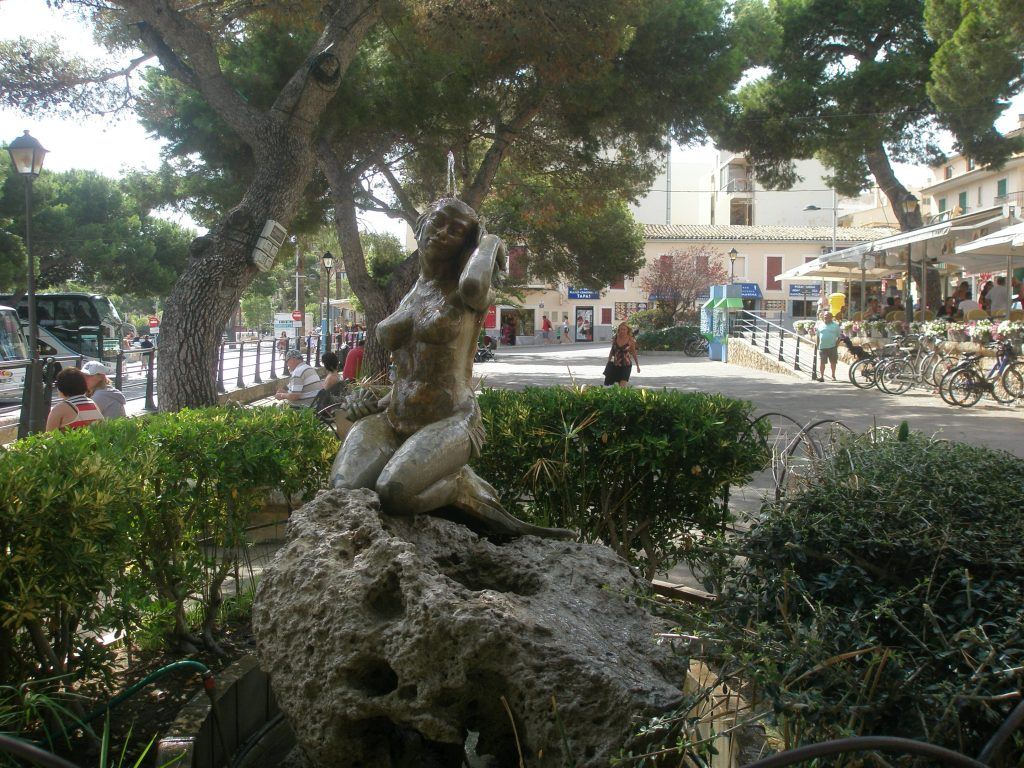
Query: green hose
x=196 y=666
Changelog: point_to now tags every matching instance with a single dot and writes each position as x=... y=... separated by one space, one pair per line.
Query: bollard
x=220 y=370
x=782 y=340
x=119 y=370
x=150 y=405
x=240 y=379
x=257 y=379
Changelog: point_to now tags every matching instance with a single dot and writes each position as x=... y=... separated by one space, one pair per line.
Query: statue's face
x=445 y=232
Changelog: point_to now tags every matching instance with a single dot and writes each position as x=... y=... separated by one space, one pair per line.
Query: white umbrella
x=992 y=252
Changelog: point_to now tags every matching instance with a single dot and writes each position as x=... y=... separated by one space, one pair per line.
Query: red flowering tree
x=675 y=280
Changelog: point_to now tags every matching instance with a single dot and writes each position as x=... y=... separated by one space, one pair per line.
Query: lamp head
x=910 y=203
x=27 y=155
x=328 y=261
x=733 y=253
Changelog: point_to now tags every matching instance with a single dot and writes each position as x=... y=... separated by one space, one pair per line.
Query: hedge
x=885 y=598
x=646 y=472
x=673 y=338
x=98 y=523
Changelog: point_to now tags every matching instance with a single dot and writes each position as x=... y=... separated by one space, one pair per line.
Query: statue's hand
x=361 y=403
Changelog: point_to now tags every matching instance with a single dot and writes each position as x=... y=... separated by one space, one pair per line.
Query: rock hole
x=482 y=571
x=385 y=597
x=407 y=692
x=373 y=677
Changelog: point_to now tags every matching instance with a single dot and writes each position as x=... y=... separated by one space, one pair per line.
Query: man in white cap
x=108 y=399
x=303 y=384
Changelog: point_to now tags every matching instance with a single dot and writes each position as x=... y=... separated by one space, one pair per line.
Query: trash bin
x=836 y=302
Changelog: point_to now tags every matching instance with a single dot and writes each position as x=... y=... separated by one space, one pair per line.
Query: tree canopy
x=89 y=229
x=846 y=83
x=978 y=67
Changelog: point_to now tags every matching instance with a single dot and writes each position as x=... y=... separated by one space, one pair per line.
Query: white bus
x=13 y=347
x=73 y=323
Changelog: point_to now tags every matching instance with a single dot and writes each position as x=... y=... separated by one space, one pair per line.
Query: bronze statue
x=413 y=445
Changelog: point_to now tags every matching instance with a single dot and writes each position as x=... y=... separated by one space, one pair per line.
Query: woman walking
x=621 y=357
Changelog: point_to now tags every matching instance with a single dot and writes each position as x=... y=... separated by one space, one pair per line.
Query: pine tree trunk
x=219 y=270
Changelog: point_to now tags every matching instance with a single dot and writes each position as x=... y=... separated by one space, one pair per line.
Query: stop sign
x=296 y=314
x=154 y=321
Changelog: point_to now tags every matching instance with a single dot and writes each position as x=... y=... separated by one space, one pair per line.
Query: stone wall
x=742 y=353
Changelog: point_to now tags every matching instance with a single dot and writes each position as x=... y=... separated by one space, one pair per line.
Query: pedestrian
x=107 y=397
x=303 y=384
x=545 y=328
x=353 y=362
x=565 y=331
x=828 y=331
x=77 y=409
x=330 y=362
x=621 y=357
x=282 y=343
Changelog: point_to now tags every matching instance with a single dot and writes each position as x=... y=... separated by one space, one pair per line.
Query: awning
x=732 y=302
x=989 y=253
x=750 y=291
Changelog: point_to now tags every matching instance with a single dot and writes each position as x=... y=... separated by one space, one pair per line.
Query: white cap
x=95 y=368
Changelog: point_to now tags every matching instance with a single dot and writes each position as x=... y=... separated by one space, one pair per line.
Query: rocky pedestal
x=405 y=641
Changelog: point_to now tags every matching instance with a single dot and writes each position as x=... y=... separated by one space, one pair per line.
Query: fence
x=775 y=340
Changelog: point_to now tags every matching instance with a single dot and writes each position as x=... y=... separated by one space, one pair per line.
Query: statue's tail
x=481 y=510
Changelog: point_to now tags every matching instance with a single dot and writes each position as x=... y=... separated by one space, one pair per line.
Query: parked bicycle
x=965 y=384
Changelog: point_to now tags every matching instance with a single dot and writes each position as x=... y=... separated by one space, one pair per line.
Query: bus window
x=12 y=342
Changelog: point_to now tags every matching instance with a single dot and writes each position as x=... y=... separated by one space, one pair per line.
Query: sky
x=110 y=145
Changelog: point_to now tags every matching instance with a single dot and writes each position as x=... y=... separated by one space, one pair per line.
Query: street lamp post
x=733 y=253
x=27 y=157
x=835 y=215
x=328 y=261
x=910 y=203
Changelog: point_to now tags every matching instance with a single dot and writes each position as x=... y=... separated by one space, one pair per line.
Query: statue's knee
x=392 y=492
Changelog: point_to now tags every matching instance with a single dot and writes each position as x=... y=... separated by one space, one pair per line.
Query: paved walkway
x=986 y=424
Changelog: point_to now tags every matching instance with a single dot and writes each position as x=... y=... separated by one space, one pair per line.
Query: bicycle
x=696 y=346
x=964 y=384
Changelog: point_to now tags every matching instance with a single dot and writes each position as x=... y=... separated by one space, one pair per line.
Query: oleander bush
x=666 y=339
x=884 y=598
x=97 y=525
x=646 y=472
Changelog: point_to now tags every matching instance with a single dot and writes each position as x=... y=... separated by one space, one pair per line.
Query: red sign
x=297 y=314
x=491 y=318
x=154 y=321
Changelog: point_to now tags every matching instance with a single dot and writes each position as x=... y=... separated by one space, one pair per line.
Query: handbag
x=609 y=368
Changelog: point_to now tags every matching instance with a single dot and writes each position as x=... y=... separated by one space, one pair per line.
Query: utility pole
x=298 y=288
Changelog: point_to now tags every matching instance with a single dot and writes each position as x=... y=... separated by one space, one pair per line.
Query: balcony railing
x=1013 y=198
x=739 y=185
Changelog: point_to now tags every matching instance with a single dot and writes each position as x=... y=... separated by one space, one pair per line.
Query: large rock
x=390 y=641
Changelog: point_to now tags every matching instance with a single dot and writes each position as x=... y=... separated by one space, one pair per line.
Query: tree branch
x=504 y=136
x=408 y=210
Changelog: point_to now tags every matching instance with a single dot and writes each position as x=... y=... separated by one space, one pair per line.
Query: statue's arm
x=477 y=281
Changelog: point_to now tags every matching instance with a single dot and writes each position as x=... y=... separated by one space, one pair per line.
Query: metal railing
x=775 y=341
x=239 y=364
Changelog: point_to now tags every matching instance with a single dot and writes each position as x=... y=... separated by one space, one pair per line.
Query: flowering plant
x=1011 y=328
x=875 y=328
x=804 y=326
x=937 y=328
x=981 y=331
x=895 y=327
x=851 y=327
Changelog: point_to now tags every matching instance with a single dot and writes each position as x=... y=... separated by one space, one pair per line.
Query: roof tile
x=735 y=232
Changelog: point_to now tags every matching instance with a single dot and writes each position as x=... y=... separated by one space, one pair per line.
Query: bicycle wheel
x=862 y=373
x=943 y=386
x=692 y=347
x=965 y=387
x=940 y=368
x=897 y=377
x=1013 y=380
x=1006 y=384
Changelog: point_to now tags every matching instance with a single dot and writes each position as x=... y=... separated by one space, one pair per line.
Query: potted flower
x=981 y=331
x=874 y=329
x=895 y=327
x=1013 y=330
x=956 y=332
x=804 y=327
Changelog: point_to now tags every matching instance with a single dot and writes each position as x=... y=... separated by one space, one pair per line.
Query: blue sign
x=807 y=289
x=583 y=293
x=750 y=291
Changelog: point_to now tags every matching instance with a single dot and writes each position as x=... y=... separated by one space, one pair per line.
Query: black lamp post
x=733 y=253
x=910 y=204
x=328 y=261
x=27 y=157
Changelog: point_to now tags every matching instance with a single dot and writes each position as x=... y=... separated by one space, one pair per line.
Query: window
x=949 y=171
x=741 y=212
x=606 y=315
x=962 y=202
x=618 y=283
x=1001 y=188
x=970 y=163
x=773 y=268
x=942 y=204
x=803 y=308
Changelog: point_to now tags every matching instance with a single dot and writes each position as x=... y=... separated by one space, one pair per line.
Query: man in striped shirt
x=303 y=384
